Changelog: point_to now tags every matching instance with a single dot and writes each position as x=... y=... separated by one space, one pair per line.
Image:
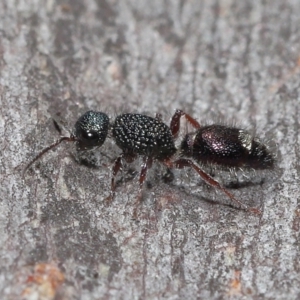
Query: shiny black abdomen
x=138 y=134
x=226 y=147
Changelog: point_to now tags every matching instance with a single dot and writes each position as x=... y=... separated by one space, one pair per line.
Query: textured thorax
x=143 y=135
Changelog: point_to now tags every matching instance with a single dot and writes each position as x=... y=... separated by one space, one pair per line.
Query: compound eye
x=89 y=135
x=91 y=130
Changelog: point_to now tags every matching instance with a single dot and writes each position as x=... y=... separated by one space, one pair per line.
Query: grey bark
x=221 y=61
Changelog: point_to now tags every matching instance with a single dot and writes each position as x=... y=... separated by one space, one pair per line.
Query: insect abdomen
x=226 y=147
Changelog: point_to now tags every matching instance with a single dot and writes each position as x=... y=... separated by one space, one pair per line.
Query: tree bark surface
x=226 y=61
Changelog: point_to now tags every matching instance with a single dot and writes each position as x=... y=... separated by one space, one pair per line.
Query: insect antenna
x=70 y=138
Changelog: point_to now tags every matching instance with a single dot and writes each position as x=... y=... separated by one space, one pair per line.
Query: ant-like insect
x=141 y=135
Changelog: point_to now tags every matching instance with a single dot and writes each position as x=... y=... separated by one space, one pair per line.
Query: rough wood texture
x=230 y=60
